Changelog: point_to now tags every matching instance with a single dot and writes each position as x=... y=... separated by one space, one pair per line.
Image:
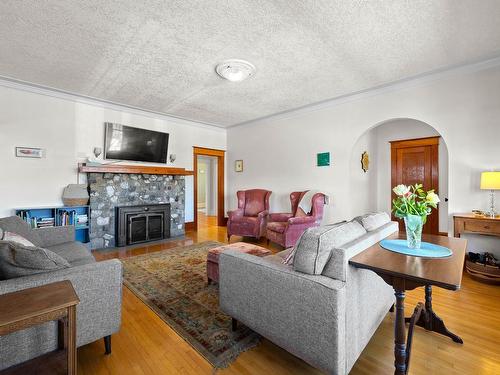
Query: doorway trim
x=220 y=155
x=417 y=142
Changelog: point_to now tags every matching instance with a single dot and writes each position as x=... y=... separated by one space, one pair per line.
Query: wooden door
x=416 y=161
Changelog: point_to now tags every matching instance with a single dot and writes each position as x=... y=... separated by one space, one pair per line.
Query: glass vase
x=414 y=225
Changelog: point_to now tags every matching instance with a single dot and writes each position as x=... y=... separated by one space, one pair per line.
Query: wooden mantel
x=137 y=169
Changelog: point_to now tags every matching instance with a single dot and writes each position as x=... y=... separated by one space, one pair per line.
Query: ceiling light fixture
x=235 y=70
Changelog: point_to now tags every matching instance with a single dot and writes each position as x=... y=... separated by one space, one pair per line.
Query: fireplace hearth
x=142 y=223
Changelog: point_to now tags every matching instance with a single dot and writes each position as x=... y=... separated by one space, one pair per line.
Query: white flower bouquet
x=413 y=204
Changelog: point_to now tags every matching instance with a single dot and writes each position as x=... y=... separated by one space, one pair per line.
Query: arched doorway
x=372 y=188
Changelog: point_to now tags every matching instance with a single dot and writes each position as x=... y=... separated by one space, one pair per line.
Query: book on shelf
x=36 y=222
x=45 y=222
x=82 y=219
x=67 y=217
x=26 y=216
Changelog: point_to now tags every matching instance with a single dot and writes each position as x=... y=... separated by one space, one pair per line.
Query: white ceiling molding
x=61 y=94
x=389 y=87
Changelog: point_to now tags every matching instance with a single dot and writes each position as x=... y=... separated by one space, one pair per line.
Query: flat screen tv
x=128 y=143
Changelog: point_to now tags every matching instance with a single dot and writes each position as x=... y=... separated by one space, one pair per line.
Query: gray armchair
x=98 y=285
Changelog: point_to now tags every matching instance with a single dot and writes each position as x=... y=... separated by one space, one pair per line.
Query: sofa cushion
x=374 y=220
x=315 y=246
x=277 y=226
x=17 y=260
x=72 y=251
x=336 y=267
x=14 y=237
x=289 y=254
x=17 y=225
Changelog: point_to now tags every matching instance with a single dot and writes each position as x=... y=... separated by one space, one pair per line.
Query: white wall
x=279 y=152
x=365 y=183
x=69 y=130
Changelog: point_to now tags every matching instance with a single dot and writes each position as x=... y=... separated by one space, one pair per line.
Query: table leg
x=400 y=331
x=62 y=329
x=431 y=322
x=419 y=309
x=71 y=340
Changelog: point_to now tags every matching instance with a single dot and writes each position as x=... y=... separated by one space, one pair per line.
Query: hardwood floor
x=147 y=345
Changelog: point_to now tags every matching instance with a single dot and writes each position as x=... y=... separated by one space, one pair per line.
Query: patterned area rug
x=173 y=283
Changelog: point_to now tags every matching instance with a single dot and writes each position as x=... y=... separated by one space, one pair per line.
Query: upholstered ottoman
x=213 y=256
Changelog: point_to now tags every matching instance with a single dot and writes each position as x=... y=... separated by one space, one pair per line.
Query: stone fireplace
x=111 y=190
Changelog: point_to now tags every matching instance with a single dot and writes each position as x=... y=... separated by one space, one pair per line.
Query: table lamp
x=491 y=181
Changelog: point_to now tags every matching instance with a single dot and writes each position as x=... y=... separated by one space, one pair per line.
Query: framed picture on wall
x=238 y=166
x=29 y=152
x=323 y=159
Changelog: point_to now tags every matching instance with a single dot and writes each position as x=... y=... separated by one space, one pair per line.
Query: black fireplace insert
x=143 y=223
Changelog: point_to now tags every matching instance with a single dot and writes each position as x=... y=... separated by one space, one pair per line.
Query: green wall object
x=323 y=159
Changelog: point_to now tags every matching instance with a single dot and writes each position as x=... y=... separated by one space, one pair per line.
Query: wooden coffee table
x=404 y=272
x=29 y=307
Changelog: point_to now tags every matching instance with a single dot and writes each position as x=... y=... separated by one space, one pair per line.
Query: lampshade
x=490 y=180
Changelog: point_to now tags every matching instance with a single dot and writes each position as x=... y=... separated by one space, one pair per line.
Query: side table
x=29 y=307
x=404 y=272
x=475 y=224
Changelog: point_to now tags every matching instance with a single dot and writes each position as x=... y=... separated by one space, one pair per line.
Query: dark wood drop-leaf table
x=404 y=272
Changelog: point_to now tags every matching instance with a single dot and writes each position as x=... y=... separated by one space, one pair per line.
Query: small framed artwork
x=238 y=166
x=29 y=152
x=323 y=159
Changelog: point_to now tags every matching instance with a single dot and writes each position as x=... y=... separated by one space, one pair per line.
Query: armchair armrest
x=55 y=235
x=263 y=214
x=301 y=220
x=280 y=217
x=235 y=213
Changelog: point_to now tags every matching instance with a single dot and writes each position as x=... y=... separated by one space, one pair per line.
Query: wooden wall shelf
x=137 y=169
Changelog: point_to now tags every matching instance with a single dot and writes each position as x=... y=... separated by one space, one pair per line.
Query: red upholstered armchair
x=250 y=218
x=286 y=228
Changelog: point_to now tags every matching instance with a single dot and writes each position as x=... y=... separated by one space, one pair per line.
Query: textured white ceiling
x=160 y=55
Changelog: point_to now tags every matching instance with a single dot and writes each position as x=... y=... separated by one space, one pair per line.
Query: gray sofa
x=320 y=309
x=98 y=285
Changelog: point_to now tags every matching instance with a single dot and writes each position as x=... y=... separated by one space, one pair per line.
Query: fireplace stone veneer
x=111 y=190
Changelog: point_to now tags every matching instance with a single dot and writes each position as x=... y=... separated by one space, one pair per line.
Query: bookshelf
x=57 y=216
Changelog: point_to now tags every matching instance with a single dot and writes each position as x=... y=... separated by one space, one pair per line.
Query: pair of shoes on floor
x=487 y=259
